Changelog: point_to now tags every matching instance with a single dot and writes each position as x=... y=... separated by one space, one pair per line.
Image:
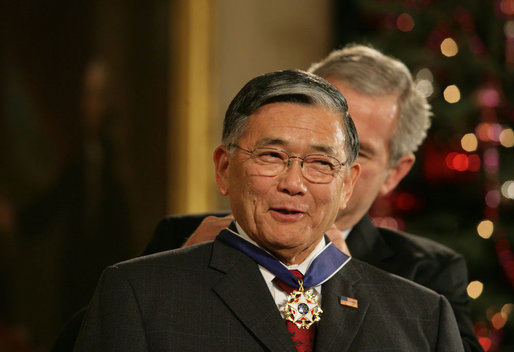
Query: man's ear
x=221 y=158
x=397 y=173
x=349 y=184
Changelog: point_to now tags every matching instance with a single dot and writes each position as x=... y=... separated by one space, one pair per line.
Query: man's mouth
x=287 y=211
x=287 y=214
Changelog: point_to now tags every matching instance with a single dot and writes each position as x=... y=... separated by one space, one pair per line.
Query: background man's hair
x=372 y=73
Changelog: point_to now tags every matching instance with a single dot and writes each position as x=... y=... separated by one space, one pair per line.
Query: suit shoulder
x=190 y=220
x=418 y=247
x=374 y=277
x=189 y=257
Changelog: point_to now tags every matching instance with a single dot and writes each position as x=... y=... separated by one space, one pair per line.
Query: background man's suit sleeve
x=451 y=281
x=173 y=231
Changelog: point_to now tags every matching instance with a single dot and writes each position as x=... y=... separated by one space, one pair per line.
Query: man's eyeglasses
x=317 y=168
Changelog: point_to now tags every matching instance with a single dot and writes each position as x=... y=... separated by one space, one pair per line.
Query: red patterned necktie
x=303 y=339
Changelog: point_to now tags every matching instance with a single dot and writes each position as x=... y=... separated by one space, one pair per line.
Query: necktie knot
x=285 y=287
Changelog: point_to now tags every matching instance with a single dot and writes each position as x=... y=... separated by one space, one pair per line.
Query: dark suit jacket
x=412 y=257
x=212 y=297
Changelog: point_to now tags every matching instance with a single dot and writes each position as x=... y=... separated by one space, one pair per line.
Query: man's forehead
x=311 y=128
x=284 y=142
x=279 y=112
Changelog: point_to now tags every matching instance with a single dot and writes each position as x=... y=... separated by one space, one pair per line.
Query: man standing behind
x=287 y=166
x=392 y=119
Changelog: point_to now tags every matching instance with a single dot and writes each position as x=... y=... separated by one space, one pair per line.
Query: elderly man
x=287 y=166
x=391 y=118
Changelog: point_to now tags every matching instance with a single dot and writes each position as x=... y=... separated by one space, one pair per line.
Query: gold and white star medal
x=302 y=307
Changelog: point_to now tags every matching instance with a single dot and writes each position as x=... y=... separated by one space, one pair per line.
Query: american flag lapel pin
x=348 y=301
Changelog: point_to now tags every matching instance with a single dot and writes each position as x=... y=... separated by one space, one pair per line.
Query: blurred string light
x=500 y=317
x=462 y=162
x=469 y=142
x=491 y=311
x=507 y=7
x=490 y=132
x=449 y=47
x=485 y=229
x=475 y=289
x=507 y=189
x=507 y=309
x=425 y=74
x=405 y=22
x=492 y=198
x=485 y=342
x=451 y=94
x=491 y=160
x=488 y=97
x=506 y=138
x=498 y=320
x=425 y=82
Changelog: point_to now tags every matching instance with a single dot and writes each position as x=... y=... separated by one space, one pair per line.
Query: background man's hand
x=336 y=236
x=208 y=229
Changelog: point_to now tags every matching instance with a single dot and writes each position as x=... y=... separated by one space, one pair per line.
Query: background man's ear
x=221 y=158
x=397 y=173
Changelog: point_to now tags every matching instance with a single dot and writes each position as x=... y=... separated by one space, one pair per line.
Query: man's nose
x=292 y=181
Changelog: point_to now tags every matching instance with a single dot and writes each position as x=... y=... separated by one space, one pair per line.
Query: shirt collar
x=346 y=232
x=302 y=267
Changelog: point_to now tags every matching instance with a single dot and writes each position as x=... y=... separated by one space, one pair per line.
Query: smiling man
x=271 y=281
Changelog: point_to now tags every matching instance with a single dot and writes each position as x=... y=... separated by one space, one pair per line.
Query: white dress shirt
x=346 y=232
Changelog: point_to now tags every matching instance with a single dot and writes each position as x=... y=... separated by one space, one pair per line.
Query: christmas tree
x=461 y=190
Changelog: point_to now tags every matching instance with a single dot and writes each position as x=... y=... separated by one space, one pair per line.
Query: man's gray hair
x=293 y=86
x=372 y=73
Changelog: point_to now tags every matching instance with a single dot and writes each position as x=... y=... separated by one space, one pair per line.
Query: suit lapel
x=339 y=323
x=366 y=243
x=246 y=294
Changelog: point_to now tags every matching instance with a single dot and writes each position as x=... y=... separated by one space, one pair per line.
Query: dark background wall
x=84 y=100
